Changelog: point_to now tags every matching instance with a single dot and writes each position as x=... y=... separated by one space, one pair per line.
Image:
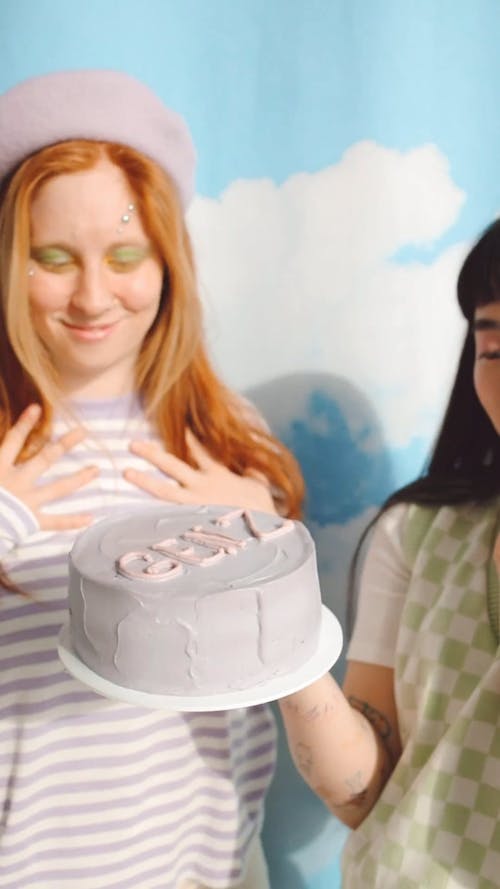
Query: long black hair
x=464 y=463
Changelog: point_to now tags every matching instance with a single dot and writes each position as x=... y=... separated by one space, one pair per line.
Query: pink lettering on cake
x=222 y=545
x=165 y=569
x=222 y=542
x=283 y=528
x=171 y=547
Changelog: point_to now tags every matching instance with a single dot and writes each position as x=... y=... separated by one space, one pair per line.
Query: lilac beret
x=92 y=104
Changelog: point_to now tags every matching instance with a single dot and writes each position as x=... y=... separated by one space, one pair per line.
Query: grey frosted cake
x=183 y=600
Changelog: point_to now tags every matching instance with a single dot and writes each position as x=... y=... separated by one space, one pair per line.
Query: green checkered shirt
x=436 y=824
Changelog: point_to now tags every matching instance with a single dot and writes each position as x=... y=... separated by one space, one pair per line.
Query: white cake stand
x=326 y=654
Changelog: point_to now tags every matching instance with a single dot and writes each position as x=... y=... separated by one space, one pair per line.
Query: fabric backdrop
x=348 y=155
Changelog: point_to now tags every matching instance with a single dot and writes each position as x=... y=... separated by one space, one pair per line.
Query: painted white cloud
x=302 y=277
x=334 y=548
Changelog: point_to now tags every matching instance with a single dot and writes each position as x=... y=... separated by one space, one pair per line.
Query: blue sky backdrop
x=318 y=75
x=348 y=156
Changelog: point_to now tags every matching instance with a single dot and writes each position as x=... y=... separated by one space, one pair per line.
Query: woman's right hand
x=21 y=479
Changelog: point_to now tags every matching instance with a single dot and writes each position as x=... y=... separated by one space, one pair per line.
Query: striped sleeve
x=17 y=522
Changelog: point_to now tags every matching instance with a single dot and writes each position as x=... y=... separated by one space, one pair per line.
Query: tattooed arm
x=345 y=744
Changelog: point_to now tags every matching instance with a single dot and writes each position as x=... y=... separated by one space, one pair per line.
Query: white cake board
x=326 y=654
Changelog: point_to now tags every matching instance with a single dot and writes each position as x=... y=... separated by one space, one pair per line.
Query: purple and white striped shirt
x=97 y=794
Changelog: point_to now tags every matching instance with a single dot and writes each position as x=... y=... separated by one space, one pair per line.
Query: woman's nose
x=92 y=295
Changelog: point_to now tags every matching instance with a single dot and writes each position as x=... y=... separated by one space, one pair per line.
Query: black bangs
x=479 y=278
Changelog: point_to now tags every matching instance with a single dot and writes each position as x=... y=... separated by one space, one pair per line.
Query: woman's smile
x=90 y=332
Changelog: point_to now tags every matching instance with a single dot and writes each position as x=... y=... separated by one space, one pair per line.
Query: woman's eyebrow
x=486 y=324
x=53 y=245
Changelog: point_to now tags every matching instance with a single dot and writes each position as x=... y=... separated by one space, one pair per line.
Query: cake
x=183 y=600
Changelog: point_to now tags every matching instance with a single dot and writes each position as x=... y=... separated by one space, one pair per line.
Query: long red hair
x=175 y=379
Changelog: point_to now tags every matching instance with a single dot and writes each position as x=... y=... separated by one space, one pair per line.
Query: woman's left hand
x=210 y=483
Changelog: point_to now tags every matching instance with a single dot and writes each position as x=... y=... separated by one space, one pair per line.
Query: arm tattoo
x=356 y=785
x=311 y=714
x=359 y=792
x=303 y=755
x=377 y=720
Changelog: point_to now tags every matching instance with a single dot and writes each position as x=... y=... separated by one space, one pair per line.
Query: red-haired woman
x=107 y=398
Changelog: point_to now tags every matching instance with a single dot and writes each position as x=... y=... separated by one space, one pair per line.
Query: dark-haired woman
x=408 y=754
